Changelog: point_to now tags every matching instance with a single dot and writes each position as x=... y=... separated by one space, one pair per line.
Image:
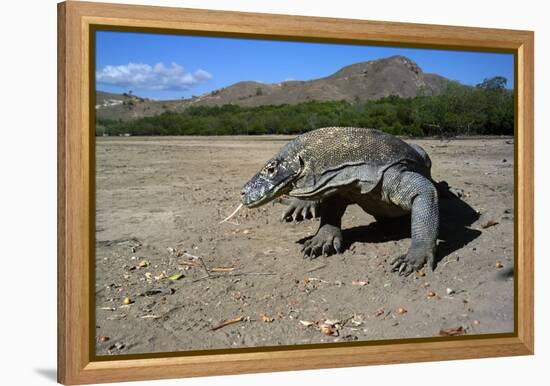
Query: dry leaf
x=360 y=282
x=356 y=322
x=143 y=264
x=267 y=319
x=176 y=276
x=452 y=331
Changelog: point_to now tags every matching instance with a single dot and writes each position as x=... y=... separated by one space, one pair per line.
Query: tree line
x=486 y=109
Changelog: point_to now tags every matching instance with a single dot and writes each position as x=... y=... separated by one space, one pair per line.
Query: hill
x=359 y=82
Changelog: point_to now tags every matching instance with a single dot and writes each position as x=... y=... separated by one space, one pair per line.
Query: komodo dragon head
x=274 y=179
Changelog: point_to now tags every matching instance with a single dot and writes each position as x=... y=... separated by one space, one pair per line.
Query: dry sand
x=159 y=202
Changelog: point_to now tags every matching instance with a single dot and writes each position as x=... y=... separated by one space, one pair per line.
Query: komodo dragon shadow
x=454 y=233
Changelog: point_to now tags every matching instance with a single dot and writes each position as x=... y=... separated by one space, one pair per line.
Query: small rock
x=450 y=291
x=350 y=338
x=329 y=330
x=401 y=311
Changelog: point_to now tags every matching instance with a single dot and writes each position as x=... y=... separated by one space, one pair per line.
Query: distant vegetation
x=487 y=108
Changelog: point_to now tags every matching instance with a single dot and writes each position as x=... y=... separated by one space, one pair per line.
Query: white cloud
x=146 y=77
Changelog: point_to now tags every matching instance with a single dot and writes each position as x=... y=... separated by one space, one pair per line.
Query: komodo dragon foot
x=415 y=258
x=327 y=241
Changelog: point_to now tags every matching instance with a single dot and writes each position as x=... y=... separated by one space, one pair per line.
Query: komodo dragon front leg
x=298 y=210
x=328 y=238
x=415 y=193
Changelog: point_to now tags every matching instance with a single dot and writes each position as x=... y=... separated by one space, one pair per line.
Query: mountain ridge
x=357 y=82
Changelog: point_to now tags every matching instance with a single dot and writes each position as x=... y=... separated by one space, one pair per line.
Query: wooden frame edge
x=74 y=364
x=525 y=191
x=141 y=369
x=61 y=189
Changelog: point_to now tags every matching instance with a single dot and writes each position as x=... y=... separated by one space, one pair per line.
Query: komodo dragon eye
x=270 y=169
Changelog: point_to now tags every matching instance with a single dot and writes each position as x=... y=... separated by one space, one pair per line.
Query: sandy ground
x=159 y=203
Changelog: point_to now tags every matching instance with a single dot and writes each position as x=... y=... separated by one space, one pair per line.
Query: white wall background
x=28 y=190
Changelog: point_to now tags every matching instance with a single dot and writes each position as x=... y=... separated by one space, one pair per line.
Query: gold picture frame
x=77 y=21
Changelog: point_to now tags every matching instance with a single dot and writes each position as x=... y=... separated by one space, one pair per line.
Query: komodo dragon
x=325 y=170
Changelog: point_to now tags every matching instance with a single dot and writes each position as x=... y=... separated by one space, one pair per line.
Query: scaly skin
x=326 y=170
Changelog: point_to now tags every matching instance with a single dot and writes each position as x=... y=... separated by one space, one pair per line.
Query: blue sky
x=163 y=66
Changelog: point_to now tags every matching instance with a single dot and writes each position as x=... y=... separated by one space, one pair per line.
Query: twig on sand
x=191 y=256
x=199 y=259
x=234 y=274
x=232 y=214
x=222 y=269
x=227 y=323
x=204 y=266
x=316 y=268
x=455 y=260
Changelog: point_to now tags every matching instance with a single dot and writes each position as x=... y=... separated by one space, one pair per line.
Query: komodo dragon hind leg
x=415 y=193
x=328 y=239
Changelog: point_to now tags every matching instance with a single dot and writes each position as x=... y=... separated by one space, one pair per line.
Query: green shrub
x=460 y=110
